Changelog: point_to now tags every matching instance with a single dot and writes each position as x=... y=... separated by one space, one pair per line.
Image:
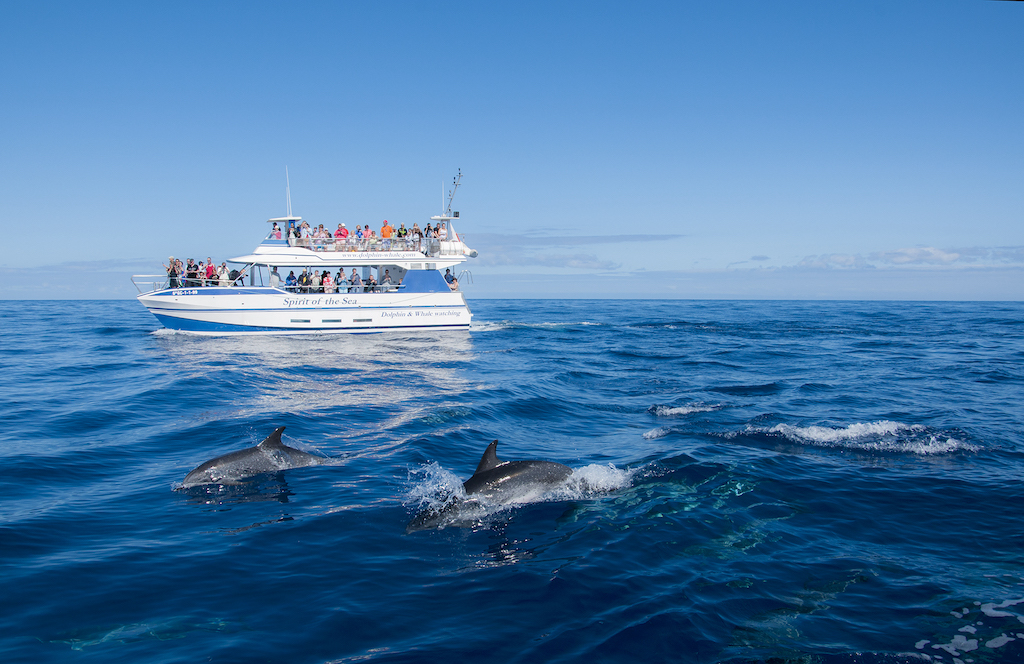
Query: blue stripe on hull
x=189 y=325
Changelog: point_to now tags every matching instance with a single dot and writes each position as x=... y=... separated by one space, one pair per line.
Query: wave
x=659 y=432
x=880 y=436
x=661 y=410
x=494 y=326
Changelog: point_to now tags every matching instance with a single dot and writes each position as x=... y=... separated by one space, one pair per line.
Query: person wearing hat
x=172 y=273
x=304 y=281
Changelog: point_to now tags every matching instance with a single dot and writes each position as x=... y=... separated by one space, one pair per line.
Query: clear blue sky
x=844 y=149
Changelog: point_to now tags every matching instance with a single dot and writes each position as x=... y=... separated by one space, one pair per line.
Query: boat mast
x=451 y=194
x=287 y=192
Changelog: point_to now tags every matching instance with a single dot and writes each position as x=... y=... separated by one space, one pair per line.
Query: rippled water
x=781 y=481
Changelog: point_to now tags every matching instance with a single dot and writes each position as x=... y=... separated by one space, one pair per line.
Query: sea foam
x=880 y=436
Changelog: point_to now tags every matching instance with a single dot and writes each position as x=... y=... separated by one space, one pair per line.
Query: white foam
x=592 y=479
x=487 y=326
x=991 y=609
x=678 y=411
x=433 y=487
x=494 y=326
x=659 y=432
x=882 y=436
x=999 y=641
x=957 y=645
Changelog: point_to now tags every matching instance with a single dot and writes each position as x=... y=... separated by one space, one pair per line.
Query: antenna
x=451 y=194
x=287 y=191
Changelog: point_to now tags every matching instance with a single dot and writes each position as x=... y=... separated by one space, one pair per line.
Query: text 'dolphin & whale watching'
x=305 y=278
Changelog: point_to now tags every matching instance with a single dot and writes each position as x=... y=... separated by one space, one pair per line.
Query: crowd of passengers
x=363 y=239
x=311 y=281
x=192 y=274
x=323 y=282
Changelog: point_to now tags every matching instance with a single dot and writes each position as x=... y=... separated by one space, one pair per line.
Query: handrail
x=313 y=290
x=160 y=282
x=427 y=246
x=163 y=282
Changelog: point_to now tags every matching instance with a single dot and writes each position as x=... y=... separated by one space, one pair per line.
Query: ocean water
x=830 y=482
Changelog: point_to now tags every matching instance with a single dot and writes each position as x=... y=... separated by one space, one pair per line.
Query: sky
x=732 y=149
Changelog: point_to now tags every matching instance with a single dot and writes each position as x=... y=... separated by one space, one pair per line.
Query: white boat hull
x=264 y=310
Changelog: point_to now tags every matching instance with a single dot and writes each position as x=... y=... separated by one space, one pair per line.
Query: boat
x=415 y=285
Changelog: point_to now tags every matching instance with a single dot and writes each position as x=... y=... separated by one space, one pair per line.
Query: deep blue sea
x=784 y=482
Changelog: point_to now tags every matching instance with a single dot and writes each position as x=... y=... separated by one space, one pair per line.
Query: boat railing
x=426 y=246
x=146 y=283
x=365 y=288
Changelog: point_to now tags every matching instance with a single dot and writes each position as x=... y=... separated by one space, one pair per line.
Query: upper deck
x=285 y=246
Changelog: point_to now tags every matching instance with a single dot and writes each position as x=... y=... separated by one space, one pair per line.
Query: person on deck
x=211 y=272
x=223 y=276
x=290 y=282
x=304 y=281
x=314 y=282
x=442 y=232
x=417 y=236
x=327 y=282
x=275 y=279
x=449 y=277
x=356 y=282
x=275 y=232
x=172 y=273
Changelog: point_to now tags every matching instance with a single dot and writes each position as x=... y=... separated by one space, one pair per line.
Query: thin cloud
x=831 y=261
x=919 y=257
x=542 y=250
x=576 y=261
x=916 y=256
x=503 y=240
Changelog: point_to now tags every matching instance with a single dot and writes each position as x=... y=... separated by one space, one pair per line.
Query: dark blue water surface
x=770 y=481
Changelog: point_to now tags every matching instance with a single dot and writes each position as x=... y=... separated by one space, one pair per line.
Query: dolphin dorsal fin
x=273 y=440
x=490 y=458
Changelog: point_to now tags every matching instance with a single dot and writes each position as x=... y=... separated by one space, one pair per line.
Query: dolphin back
x=495 y=478
x=269 y=456
x=490 y=458
x=274 y=440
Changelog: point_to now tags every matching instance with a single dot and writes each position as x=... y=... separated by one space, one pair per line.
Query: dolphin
x=269 y=456
x=496 y=481
x=502 y=481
